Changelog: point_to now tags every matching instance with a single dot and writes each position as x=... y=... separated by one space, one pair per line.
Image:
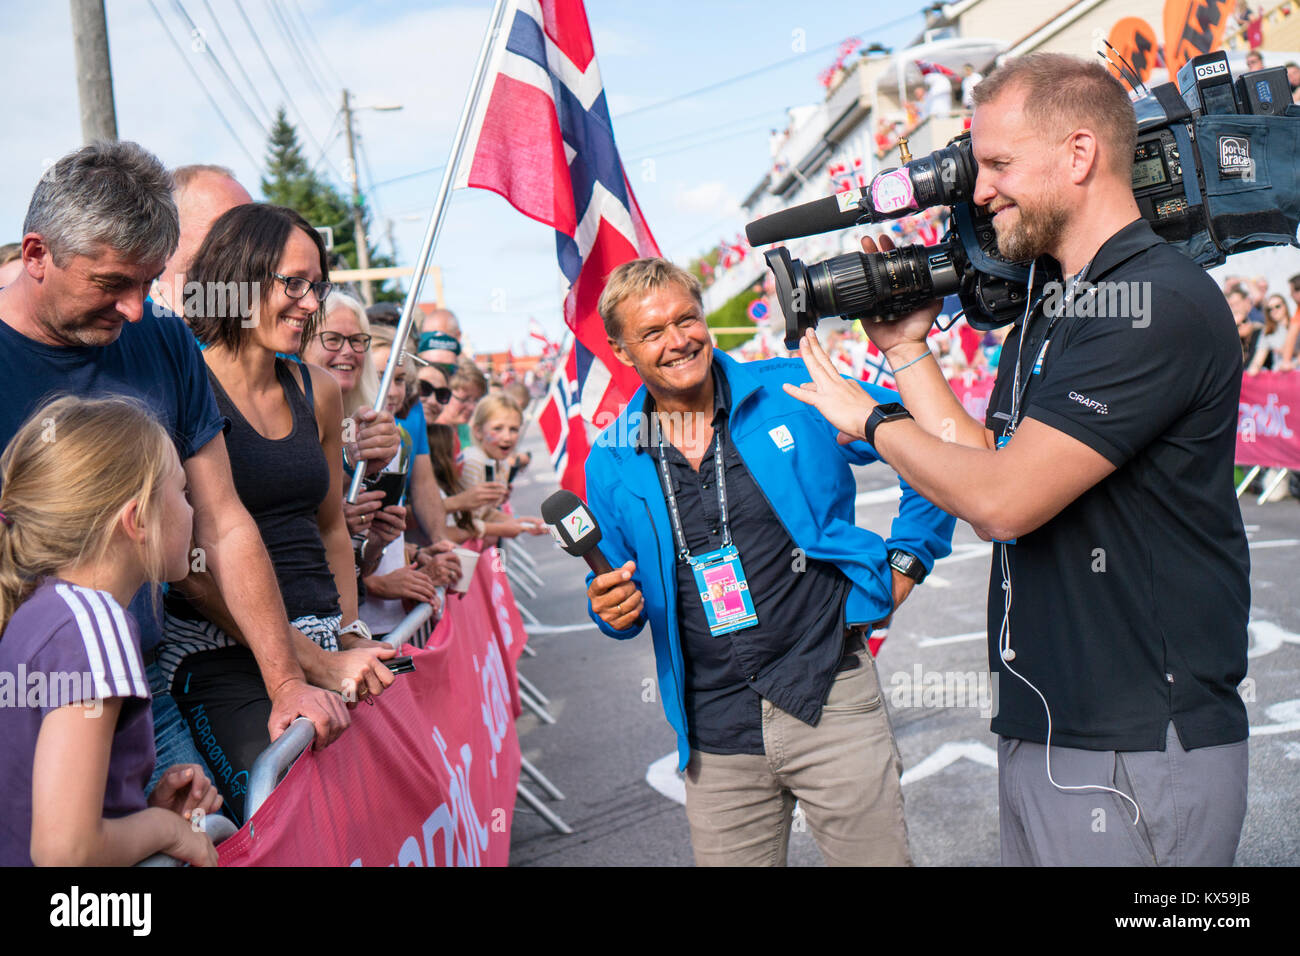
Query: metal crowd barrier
x=216 y=826
x=274 y=762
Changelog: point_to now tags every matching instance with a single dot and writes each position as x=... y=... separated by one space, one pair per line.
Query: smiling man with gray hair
x=100 y=226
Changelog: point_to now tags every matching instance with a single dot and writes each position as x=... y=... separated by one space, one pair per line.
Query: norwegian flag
x=538 y=334
x=875 y=368
x=541 y=138
x=561 y=420
x=928 y=66
x=844 y=175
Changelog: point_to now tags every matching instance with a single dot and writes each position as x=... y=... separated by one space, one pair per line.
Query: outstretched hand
x=841 y=402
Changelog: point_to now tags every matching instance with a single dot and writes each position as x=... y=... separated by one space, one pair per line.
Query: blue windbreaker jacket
x=793 y=455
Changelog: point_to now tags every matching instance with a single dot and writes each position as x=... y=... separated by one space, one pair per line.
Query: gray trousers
x=1192 y=805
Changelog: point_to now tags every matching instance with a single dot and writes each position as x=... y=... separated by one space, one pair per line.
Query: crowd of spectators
x=219 y=574
x=1265 y=322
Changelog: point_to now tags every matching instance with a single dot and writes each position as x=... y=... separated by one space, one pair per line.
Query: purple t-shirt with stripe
x=67 y=644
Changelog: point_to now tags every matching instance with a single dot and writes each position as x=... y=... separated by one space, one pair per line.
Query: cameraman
x=1118 y=606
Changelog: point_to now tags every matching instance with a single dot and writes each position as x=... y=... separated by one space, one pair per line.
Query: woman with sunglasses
x=286 y=455
x=1269 y=349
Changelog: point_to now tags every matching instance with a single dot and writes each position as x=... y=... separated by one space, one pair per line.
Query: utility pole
x=358 y=220
x=94 y=71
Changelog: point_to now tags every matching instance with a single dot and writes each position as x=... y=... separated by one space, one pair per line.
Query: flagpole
x=435 y=220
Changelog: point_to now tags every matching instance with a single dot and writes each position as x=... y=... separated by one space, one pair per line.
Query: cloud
x=710 y=198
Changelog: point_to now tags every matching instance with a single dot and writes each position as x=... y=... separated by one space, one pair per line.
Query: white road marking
x=955 y=639
x=880 y=496
x=936 y=581
x=1279 y=543
x=663 y=776
x=964 y=552
x=558 y=628
x=950 y=753
x=1287 y=717
x=1268 y=637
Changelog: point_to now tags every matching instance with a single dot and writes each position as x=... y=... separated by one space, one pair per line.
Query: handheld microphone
x=575 y=528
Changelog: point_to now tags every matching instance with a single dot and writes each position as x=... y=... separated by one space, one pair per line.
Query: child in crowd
x=495 y=428
x=93 y=505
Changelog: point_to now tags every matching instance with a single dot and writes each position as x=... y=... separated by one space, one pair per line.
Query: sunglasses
x=441 y=395
x=333 y=341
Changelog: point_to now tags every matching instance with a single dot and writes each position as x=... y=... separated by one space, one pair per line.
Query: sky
x=691 y=123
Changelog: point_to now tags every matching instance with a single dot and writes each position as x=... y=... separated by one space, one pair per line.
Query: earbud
x=1008 y=654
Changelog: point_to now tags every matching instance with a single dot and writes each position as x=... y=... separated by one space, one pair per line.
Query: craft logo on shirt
x=1101 y=408
x=782 y=437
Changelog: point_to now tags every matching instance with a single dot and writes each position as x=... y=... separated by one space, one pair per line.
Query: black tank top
x=282 y=483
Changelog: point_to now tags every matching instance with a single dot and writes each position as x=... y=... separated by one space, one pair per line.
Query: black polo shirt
x=1129 y=608
x=790 y=657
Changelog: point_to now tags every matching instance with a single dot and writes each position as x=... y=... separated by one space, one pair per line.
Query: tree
x=734 y=313
x=291 y=181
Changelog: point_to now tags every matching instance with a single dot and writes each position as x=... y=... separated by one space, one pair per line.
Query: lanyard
x=679 y=536
x=1018 y=390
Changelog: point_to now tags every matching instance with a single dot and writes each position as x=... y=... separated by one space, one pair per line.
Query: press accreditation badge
x=723 y=590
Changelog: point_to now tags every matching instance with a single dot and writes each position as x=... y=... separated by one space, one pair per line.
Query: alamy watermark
x=218 y=300
x=50 y=689
x=945 y=689
x=1102 y=300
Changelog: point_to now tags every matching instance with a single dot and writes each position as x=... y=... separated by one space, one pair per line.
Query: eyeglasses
x=441 y=395
x=295 y=287
x=333 y=341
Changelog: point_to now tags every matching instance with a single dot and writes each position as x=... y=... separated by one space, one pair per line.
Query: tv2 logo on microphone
x=578 y=523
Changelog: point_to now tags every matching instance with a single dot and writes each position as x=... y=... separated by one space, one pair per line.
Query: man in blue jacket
x=731 y=510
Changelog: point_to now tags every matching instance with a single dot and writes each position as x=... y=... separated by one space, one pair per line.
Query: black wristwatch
x=908 y=564
x=889 y=412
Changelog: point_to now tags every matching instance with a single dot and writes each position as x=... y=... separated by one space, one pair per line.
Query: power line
x=197 y=34
x=658 y=153
x=290 y=102
x=324 y=60
x=296 y=52
x=762 y=69
x=398 y=179
x=711 y=129
x=235 y=56
x=199 y=80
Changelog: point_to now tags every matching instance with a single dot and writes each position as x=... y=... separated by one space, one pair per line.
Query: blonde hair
x=63 y=481
x=363 y=393
x=489 y=406
x=384 y=336
x=468 y=376
x=637 y=278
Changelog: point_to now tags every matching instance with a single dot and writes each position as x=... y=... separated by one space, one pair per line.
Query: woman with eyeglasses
x=1269 y=348
x=286 y=455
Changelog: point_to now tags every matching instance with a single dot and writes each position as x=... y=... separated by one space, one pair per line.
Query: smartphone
x=400 y=665
x=489 y=471
x=390 y=483
x=514 y=470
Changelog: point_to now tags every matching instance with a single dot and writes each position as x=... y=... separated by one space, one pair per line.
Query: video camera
x=1241 y=191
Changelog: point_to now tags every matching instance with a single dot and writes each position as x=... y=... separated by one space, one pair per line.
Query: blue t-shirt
x=154 y=360
x=414 y=423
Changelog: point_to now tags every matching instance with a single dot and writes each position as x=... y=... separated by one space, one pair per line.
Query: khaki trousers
x=844 y=772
